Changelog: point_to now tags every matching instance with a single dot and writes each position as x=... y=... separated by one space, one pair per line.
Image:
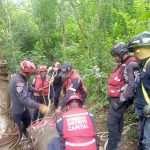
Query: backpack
x=116 y=80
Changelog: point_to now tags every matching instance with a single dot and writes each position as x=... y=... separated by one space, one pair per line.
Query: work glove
x=146 y=110
x=44 y=109
x=58 y=110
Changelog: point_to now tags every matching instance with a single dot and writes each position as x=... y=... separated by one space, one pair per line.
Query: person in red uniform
x=75 y=127
x=121 y=92
x=72 y=83
x=41 y=82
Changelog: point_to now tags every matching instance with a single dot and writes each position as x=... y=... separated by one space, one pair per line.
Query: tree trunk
x=9 y=133
x=77 y=19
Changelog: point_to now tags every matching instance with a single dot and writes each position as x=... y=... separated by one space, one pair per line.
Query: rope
x=11 y=139
x=49 y=100
x=44 y=98
x=104 y=135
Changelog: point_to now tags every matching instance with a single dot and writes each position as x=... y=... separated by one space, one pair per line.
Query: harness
x=116 y=81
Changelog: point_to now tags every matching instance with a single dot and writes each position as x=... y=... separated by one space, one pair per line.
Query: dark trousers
x=36 y=114
x=51 y=92
x=144 y=133
x=115 y=124
x=57 y=90
x=23 y=121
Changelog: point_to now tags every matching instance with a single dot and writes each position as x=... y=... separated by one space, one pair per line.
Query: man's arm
x=130 y=90
x=72 y=89
x=22 y=94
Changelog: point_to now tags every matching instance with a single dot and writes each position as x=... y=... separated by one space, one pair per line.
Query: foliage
x=80 y=32
x=131 y=119
x=45 y=17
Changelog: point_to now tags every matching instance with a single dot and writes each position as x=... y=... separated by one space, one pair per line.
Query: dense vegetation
x=80 y=32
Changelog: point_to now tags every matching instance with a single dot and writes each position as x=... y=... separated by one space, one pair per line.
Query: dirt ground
x=101 y=129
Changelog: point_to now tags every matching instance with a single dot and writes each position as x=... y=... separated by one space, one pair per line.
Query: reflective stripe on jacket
x=78 y=130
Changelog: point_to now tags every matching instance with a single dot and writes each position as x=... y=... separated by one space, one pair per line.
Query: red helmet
x=43 y=68
x=74 y=97
x=27 y=66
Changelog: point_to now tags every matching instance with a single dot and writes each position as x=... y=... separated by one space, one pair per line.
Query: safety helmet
x=74 y=97
x=65 y=68
x=140 y=40
x=42 y=68
x=27 y=66
x=140 y=45
x=119 y=49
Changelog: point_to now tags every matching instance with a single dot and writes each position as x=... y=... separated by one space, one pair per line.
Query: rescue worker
x=41 y=83
x=57 y=84
x=18 y=90
x=121 y=87
x=75 y=127
x=140 y=45
x=72 y=83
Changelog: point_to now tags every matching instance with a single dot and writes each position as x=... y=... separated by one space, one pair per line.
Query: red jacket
x=69 y=82
x=116 y=80
x=40 y=84
x=78 y=130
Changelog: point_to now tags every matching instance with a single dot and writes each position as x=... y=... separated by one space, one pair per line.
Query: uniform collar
x=23 y=76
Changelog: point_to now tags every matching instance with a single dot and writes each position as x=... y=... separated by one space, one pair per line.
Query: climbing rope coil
x=36 y=132
x=10 y=139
